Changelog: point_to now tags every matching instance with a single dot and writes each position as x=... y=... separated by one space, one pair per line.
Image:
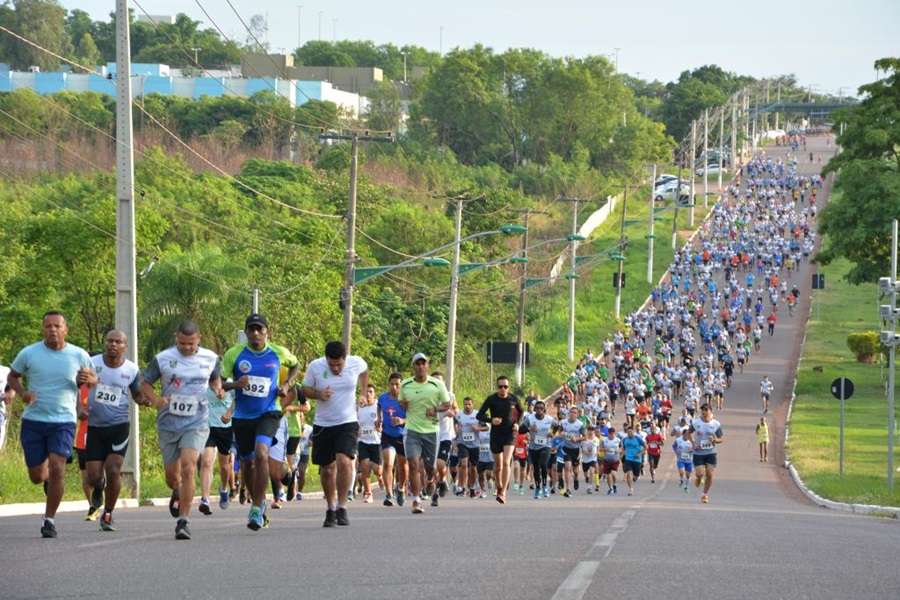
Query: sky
x=828 y=44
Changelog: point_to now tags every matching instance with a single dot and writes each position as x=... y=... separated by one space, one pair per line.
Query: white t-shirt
x=367 y=416
x=611 y=448
x=684 y=449
x=341 y=407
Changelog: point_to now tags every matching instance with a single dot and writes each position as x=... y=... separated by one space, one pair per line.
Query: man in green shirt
x=422 y=396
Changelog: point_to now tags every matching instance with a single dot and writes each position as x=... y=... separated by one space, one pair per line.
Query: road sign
x=505 y=352
x=818 y=281
x=842 y=388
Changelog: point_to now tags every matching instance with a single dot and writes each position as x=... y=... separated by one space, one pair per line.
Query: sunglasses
x=503 y=387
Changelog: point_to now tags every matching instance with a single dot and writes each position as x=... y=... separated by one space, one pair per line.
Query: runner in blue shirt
x=632 y=451
x=393 y=427
x=55 y=369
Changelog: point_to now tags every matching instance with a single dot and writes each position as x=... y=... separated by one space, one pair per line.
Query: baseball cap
x=419 y=356
x=256 y=319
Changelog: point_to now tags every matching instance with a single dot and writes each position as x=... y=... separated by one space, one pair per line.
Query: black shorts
x=632 y=466
x=389 y=441
x=500 y=439
x=485 y=466
x=653 y=459
x=248 y=431
x=220 y=438
x=328 y=442
x=444 y=450
x=369 y=452
x=705 y=460
x=470 y=454
x=291 y=445
x=454 y=461
x=571 y=455
x=560 y=466
x=523 y=462
x=586 y=466
x=103 y=441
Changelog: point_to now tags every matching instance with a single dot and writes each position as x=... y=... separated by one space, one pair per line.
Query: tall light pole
x=520 y=321
x=618 y=302
x=616 y=50
x=404 y=53
x=299 y=26
x=197 y=55
x=706 y=158
x=778 y=100
x=126 y=280
x=693 y=172
x=573 y=249
x=734 y=134
x=650 y=236
x=721 y=145
x=454 y=290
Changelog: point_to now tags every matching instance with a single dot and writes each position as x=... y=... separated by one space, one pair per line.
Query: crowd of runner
x=653 y=389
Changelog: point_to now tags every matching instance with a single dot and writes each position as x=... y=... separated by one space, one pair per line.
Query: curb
x=37 y=508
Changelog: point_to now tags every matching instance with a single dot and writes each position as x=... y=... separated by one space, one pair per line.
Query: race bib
x=183 y=405
x=653 y=445
x=468 y=437
x=571 y=436
x=706 y=445
x=107 y=394
x=258 y=387
x=486 y=448
x=540 y=440
x=685 y=456
x=367 y=432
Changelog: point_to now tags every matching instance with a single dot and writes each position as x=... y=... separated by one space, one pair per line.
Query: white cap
x=419 y=356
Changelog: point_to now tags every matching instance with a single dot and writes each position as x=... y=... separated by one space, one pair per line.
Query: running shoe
x=537 y=493
x=173 y=504
x=434 y=499
x=576 y=483
x=367 y=498
x=254 y=519
x=472 y=493
x=609 y=492
x=566 y=494
x=704 y=499
x=417 y=508
x=48 y=529
x=341 y=516
x=299 y=496
x=92 y=513
x=388 y=501
x=615 y=489
x=330 y=519
x=276 y=504
x=546 y=493
x=182 y=531
x=106 y=522
x=223 y=499
x=400 y=499
x=204 y=506
x=590 y=491
x=442 y=489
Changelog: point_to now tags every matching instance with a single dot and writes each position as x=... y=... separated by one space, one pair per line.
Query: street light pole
x=706 y=158
x=734 y=135
x=520 y=318
x=126 y=279
x=454 y=288
x=693 y=172
x=650 y=236
x=721 y=145
x=573 y=248
x=677 y=201
x=299 y=25
x=618 y=303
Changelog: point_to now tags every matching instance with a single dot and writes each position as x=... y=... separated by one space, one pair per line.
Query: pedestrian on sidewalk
x=762 y=436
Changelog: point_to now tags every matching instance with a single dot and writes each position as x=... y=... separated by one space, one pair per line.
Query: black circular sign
x=836 y=388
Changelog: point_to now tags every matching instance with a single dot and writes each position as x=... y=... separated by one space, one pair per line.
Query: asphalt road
x=758 y=538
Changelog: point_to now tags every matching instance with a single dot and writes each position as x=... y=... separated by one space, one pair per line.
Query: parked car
x=712 y=168
x=666 y=191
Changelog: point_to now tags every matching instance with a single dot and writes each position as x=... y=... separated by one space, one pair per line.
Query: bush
x=864 y=345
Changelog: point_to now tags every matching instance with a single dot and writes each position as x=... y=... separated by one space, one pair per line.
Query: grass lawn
x=838 y=310
x=594 y=294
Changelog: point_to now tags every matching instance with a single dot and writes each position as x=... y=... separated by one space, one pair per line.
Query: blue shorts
x=40 y=439
x=685 y=465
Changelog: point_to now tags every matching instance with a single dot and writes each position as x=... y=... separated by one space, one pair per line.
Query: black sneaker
x=182 y=531
x=173 y=504
x=400 y=499
x=341 y=516
x=204 y=506
x=330 y=519
x=434 y=499
x=442 y=488
x=48 y=529
x=576 y=483
x=388 y=501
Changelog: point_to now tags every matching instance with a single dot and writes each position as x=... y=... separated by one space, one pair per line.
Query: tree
x=42 y=21
x=87 y=53
x=856 y=223
x=385 y=109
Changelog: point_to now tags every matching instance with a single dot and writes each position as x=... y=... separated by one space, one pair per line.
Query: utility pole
x=705 y=158
x=618 y=304
x=734 y=160
x=520 y=321
x=746 y=121
x=778 y=100
x=255 y=303
x=892 y=426
x=650 y=236
x=349 y=274
x=721 y=145
x=766 y=119
x=693 y=172
x=677 y=201
x=755 y=123
x=454 y=289
x=573 y=248
x=299 y=24
x=126 y=280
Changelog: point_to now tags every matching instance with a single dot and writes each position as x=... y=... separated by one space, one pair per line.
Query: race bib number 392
x=258 y=387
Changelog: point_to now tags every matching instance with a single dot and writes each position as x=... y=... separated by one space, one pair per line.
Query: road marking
x=576 y=584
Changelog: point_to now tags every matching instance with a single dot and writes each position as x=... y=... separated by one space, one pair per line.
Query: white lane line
x=576 y=584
